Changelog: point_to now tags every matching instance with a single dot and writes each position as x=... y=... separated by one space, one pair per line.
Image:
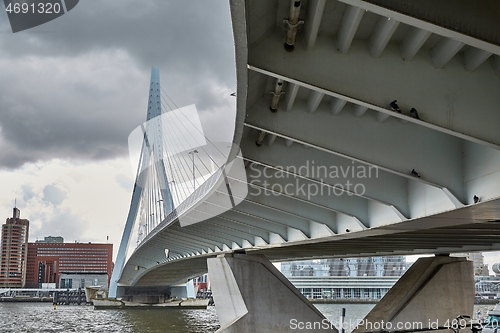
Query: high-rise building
x=51 y=239
x=14 y=251
x=54 y=262
x=367 y=278
x=362 y=266
x=480 y=269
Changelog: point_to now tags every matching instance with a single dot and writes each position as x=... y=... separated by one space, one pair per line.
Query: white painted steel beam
x=244 y=236
x=290 y=95
x=337 y=105
x=312 y=21
x=215 y=235
x=445 y=49
x=381 y=35
x=241 y=227
x=179 y=247
x=413 y=41
x=348 y=206
x=381 y=117
x=496 y=63
x=348 y=26
x=189 y=241
x=314 y=99
x=372 y=83
x=268 y=213
x=239 y=240
x=270 y=226
x=359 y=110
x=415 y=22
x=319 y=171
x=397 y=149
x=474 y=57
x=189 y=244
x=354 y=80
x=272 y=201
x=269 y=201
x=271 y=139
x=201 y=233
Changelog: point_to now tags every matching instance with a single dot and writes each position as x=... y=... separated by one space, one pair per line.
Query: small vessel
x=491 y=324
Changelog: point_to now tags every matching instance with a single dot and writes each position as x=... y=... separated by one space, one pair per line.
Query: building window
x=317 y=293
x=67 y=283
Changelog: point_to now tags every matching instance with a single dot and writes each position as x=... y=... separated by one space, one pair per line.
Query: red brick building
x=47 y=261
x=13 y=251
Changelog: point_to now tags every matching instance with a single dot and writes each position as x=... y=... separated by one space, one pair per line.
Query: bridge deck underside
x=351 y=59
x=450 y=232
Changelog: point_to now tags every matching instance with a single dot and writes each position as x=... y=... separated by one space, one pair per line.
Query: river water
x=41 y=317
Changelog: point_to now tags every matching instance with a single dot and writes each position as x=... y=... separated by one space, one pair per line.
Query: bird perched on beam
x=414 y=113
x=394 y=106
x=414 y=173
x=476 y=199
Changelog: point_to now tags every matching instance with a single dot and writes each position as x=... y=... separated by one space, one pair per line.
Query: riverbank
x=344 y=301
x=27 y=299
x=192 y=304
x=374 y=301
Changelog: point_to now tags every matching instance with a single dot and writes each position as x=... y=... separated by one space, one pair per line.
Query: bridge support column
x=252 y=296
x=433 y=291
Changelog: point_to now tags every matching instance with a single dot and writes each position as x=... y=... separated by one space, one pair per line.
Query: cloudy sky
x=73 y=89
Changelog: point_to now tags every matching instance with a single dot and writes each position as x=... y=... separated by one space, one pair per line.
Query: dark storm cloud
x=77 y=86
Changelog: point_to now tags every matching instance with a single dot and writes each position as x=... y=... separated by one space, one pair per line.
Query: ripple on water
x=41 y=317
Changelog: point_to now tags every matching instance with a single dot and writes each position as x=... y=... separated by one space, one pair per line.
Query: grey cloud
x=125 y=182
x=28 y=192
x=77 y=86
x=64 y=223
x=53 y=194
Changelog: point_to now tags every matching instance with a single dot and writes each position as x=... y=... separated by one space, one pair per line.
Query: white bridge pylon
x=177 y=165
x=151 y=180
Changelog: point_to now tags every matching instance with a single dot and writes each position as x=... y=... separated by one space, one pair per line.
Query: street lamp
x=194 y=179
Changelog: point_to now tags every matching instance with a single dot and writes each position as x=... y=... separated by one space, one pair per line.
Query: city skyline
x=68 y=106
x=72 y=92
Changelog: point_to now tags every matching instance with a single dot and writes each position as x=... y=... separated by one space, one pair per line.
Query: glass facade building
x=367 y=278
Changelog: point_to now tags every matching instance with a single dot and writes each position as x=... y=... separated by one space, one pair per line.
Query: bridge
x=362 y=128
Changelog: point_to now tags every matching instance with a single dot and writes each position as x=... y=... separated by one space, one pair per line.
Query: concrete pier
x=432 y=293
x=252 y=296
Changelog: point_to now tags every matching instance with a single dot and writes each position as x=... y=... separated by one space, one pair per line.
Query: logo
x=26 y=14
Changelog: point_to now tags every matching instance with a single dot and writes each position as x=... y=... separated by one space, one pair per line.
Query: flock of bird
x=414 y=114
x=394 y=106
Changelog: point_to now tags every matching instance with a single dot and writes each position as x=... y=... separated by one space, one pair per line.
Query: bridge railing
x=198 y=194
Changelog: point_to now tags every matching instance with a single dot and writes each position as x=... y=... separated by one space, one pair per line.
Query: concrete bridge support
x=432 y=293
x=252 y=296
